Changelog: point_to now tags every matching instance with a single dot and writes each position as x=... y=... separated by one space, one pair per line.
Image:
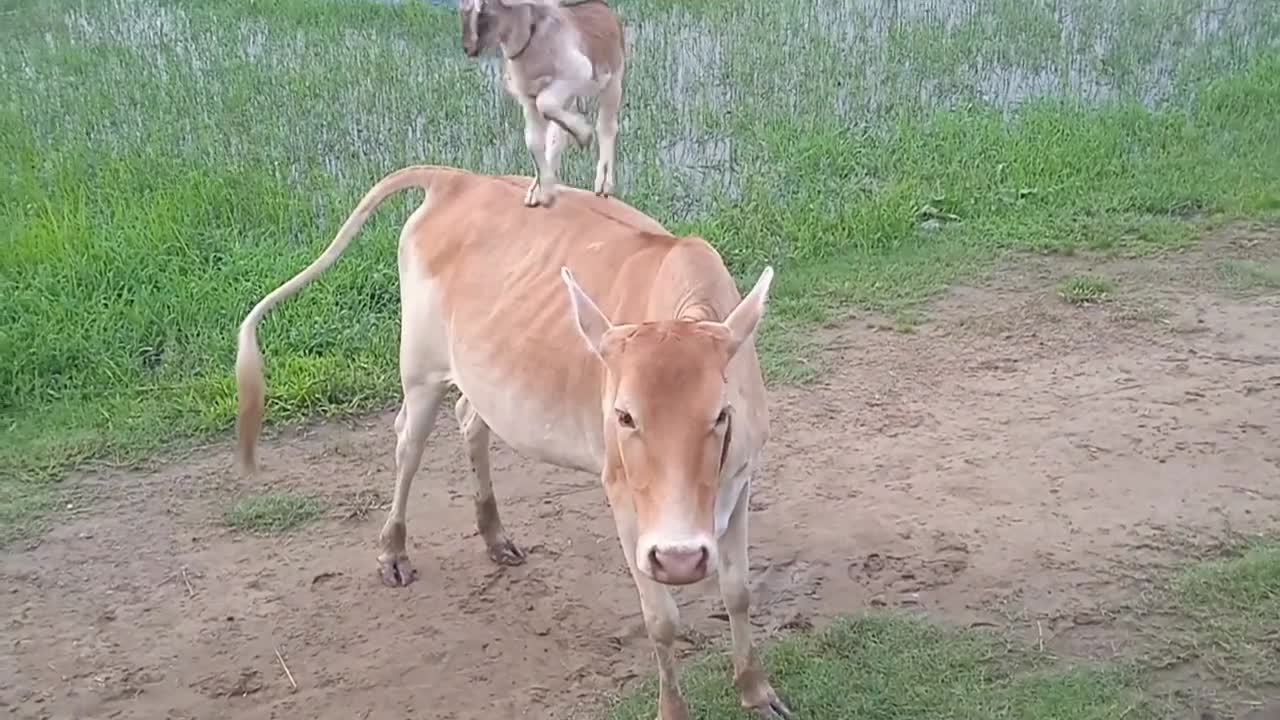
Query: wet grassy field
x=168 y=163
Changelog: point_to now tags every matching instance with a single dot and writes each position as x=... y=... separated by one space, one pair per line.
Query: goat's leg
x=476 y=434
x=661 y=615
x=556 y=141
x=553 y=103
x=542 y=190
x=749 y=676
x=607 y=133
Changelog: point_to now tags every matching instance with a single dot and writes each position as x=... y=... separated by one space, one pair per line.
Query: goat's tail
x=250 y=382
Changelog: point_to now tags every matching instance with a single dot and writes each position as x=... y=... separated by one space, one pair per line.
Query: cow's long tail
x=250 y=383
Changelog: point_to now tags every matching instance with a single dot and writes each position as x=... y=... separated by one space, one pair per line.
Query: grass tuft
x=1085 y=289
x=273 y=513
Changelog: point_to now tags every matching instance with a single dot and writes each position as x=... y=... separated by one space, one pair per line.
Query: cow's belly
x=534 y=423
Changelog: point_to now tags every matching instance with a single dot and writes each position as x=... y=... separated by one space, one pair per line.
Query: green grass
x=891 y=667
x=168 y=162
x=1085 y=289
x=1246 y=275
x=273 y=512
x=1232 y=612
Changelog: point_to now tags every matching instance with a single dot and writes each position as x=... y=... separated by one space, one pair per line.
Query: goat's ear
x=592 y=323
x=744 y=319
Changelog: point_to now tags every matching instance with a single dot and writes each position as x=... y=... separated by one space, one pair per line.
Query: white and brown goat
x=554 y=51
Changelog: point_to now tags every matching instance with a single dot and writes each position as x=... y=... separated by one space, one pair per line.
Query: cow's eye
x=625 y=419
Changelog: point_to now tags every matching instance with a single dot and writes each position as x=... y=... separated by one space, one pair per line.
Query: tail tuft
x=251 y=388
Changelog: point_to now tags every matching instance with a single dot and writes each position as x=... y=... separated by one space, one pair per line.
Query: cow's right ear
x=592 y=323
x=746 y=316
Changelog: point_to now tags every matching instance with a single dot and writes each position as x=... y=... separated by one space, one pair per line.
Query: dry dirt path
x=1007 y=453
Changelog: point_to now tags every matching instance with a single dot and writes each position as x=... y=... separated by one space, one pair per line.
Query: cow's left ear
x=592 y=323
x=744 y=319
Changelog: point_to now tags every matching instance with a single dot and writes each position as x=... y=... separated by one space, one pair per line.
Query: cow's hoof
x=768 y=706
x=505 y=552
x=672 y=709
x=397 y=571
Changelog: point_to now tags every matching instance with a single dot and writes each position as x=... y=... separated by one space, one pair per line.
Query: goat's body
x=588 y=46
x=565 y=51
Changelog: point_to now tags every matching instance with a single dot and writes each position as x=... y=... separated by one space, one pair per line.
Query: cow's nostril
x=653 y=558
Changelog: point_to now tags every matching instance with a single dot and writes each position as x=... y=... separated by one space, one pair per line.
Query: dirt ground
x=1002 y=463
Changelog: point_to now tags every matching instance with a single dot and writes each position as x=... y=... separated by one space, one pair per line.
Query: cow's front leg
x=749 y=676
x=661 y=615
x=661 y=619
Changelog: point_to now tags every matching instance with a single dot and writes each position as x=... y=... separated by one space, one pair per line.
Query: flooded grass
x=168 y=163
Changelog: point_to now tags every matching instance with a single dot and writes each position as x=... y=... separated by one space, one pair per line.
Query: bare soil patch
x=1014 y=460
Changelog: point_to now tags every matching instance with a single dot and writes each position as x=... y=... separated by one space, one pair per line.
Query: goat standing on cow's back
x=554 y=51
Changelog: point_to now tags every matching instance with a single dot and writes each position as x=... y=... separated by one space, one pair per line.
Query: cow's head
x=668 y=425
x=486 y=23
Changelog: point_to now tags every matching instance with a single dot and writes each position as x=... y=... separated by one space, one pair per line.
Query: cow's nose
x=678 y=564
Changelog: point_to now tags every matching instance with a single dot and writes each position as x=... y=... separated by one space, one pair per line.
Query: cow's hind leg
x=476 y=434
x=413 y=425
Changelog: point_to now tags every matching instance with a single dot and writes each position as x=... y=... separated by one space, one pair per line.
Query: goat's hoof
x=545 y=198
x=603 y=184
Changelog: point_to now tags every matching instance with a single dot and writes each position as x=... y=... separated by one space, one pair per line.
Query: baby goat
x=554 y=51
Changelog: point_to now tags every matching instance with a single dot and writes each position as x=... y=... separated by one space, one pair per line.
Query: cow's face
x=668 y=426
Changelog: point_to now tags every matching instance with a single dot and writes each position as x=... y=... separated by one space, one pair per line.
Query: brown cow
x=587 y=337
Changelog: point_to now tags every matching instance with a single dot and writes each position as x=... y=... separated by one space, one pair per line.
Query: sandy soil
x=1011 y=452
